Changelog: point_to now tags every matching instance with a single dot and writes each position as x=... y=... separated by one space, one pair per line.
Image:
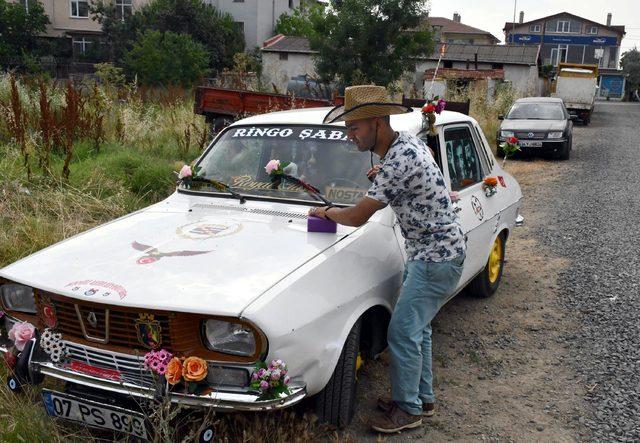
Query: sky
x=491 y=15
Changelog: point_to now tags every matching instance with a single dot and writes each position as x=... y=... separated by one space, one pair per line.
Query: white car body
x=304 y=291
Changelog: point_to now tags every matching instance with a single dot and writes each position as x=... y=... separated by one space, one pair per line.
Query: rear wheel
x=486 y=283
x=335 y=404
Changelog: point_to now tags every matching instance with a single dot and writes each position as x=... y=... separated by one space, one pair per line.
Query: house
x=515 y=64
x=256 y=18
x=565 y=37
x=72 y=19
x=284 y=57
x=454 y=31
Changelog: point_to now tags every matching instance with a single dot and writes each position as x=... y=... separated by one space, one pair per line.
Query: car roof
x=539 y=100
x=313 y=116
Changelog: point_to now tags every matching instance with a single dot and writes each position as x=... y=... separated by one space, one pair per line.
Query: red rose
x=512 y=140
x=429 y=108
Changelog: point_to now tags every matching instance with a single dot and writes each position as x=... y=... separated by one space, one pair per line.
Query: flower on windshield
x=185 y=172
x=434 y=106
x=273 y=165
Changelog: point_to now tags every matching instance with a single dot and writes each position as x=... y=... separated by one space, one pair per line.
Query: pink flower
x=185 y=172
x=264 y=385
x=162 y=369
x=454 y=196
x=287 y=380
x=1 y=314
x=261 y=373
x=275 y=375
x=21 y=333
x=272 y=166
x=254 y=377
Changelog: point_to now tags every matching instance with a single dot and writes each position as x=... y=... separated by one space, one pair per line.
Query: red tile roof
x=453 y=27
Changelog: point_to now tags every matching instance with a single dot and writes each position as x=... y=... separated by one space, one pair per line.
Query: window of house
x=240 y=26
x=465 y=167
x=238 y=1
x=534 y=28
x=79 y=8
x=563 y=26
x=447 y=64
x=559 y=54
x=81 y=45
x=592 y=30
x=284 y=56
x=291 y=6
x=123 y=9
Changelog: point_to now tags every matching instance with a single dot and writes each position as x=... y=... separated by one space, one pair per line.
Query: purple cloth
x=317 y=224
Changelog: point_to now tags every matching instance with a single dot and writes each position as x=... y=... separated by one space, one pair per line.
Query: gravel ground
x=594 y=224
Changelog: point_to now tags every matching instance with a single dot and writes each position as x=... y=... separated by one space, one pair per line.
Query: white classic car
x=234 y=277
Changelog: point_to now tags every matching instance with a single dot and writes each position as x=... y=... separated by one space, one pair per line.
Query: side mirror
x=501 y=117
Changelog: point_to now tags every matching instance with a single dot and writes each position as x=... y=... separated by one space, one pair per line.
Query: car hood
x=206 y=255
x=533 y=125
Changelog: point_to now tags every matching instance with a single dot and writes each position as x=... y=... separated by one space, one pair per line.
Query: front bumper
x=548 y=145
x=220 y=397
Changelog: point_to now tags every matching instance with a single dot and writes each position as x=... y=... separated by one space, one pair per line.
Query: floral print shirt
x=410 y=181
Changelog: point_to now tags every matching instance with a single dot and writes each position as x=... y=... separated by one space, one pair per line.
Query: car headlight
x=18 y=298
x=555 y=134
x=506 y=134
x=229 y=337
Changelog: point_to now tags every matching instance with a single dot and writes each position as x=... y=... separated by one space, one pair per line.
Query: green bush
x=164 y=57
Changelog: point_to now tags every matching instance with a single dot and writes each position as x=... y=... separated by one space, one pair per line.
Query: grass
x=119 y=154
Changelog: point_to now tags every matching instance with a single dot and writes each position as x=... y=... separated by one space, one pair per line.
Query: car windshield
x=536 y=111
x=320 y=155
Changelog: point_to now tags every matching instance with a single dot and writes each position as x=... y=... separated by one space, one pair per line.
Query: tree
x=363 y=41
x=215 y=30
x=159 y=58
x=300 y=23
x=19 y=31
x=630 y=62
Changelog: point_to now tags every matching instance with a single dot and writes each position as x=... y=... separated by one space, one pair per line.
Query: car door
x=464 y=173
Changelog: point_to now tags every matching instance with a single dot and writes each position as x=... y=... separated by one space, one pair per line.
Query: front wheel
x=486 y=283
x=335 y=404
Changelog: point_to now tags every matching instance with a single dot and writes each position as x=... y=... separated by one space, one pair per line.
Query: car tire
x=486 y=283
x=335 y=404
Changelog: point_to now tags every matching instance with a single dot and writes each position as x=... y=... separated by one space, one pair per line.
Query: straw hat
x=365 y=101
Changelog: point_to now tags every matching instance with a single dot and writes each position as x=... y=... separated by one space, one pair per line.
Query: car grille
x=122 y=323
x=130 y=367
x=527 y=136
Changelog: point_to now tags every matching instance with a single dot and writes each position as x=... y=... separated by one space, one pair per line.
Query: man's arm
x=353 y=216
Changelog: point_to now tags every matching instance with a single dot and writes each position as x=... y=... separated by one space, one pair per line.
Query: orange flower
x=491 y=181
x=194 y=369
x=174 y=371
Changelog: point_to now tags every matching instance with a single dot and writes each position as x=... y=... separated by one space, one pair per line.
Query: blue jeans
x=425 y=288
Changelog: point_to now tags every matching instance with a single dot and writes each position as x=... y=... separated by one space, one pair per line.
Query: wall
x=279 y=72
x=524 y=79
x=470 y=39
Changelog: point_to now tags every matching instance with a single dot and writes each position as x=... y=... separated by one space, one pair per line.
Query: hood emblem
x=530 y=135
x=149 y=331
x=92 y=319
x=152 y=255
x=202 y=230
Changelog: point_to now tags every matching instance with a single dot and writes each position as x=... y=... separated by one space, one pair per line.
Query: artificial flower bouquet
x=434 y=106
x=509 y=147
x=490 y=186
x=270 y=380
x=185 y=372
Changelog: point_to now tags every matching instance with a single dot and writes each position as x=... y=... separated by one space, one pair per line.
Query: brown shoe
x=395 y=420
x=385 y=403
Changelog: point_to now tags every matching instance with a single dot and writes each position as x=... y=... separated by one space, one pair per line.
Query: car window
x=320 y=155
x=482 y=149
x=463 y=162
x=432 y=142
x=536 y=111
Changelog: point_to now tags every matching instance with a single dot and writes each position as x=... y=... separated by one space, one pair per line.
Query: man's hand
x=319 y=212
x=352 y=216
x=371 y=173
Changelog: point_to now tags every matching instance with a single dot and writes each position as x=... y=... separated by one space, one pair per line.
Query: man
x=410 y=182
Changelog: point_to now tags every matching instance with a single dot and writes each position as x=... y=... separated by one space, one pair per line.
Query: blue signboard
x=530 y=39
x=611 y=86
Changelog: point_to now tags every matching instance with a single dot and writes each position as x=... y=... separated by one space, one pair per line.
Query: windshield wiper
x=311 y=190
x=220 y=187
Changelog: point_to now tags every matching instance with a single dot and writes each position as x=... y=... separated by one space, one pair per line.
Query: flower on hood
x=429 y=108
x=21 y=333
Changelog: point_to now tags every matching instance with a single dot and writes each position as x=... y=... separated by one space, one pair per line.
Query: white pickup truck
x=577 y=85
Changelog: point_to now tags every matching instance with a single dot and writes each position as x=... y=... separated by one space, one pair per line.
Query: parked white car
x=240 y=280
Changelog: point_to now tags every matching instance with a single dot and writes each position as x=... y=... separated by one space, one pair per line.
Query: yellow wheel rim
x=495 y=260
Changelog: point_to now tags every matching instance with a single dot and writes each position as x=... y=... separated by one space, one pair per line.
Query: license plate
x=94 y=414
x=527 y=144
